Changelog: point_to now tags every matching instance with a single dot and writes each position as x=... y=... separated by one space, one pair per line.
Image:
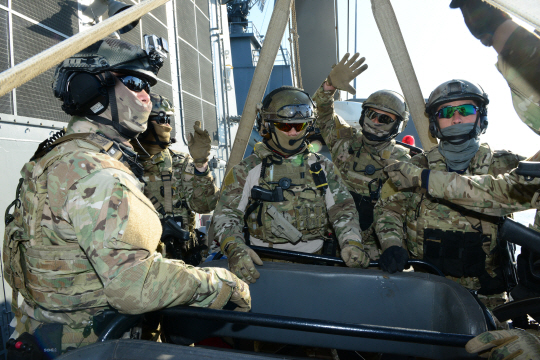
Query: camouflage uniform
x=307 y=208
x=353 y=158
x=68 y=232
x=192 y=192
x=518 y=62
x=428 y=221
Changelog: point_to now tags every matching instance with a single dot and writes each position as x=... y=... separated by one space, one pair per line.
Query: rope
x=38 y=64
x=296 y=47
x=274 y=34
x=397 y=51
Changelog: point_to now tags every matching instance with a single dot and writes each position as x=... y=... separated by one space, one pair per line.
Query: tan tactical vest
x=304 y=206
x=55 y=277
x=164 y=187
x=429 y=220
x=363 y=168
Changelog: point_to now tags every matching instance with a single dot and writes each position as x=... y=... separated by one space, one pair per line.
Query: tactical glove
x=354 y=255
x=481 y=18
x=232 y=289
x=241 y=259
x=505 y=344
x=199 y=145
x=393 y=259
x=405 y=175
x=345 y=71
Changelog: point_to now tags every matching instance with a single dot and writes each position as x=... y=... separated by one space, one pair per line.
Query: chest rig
x=163 y=175
x=34 y=267
x=461 y=243
x=288 y=204
x=366 y=177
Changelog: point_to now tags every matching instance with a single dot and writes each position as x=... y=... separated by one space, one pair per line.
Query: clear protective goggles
x=300 y=111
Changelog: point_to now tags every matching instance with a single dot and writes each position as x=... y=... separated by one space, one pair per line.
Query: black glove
x=481 y=18
x=393 y=259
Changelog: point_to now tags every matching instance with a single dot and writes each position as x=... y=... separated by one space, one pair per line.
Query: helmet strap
x=115 y=120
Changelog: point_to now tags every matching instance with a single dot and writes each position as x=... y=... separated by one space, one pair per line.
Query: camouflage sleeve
x=135 y=278
x=389 y=216
x=340 y=205
x=486 y=194
x=326 y=121
x=229 y=214
x=198 y=189
x=519 y=62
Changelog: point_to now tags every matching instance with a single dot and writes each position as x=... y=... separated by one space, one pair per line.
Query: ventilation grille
x=189 y=69
x=196 y=69
x=35 y=98
x=58 y=15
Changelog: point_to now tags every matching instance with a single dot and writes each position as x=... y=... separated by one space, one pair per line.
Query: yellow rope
x=38 y=64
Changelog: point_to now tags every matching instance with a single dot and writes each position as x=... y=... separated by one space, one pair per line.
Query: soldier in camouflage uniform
x=82 y=239
x=361 y=157
x=176 y=184
x=519 y=63
x=287 y=196
x=463 y=244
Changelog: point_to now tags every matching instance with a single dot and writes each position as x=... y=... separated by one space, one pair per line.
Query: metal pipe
x=330 y=260
x=118 y=326
x=323 y=326
x=399 y=56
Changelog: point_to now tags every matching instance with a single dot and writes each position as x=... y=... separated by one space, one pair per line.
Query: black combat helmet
x=162 y=110
x=389 y=101
x=457 y=90
x=85 y=84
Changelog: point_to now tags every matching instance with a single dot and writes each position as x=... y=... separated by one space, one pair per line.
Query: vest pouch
x=456 y=253
x=62 y=278
x=311 y=217
x=365 y=207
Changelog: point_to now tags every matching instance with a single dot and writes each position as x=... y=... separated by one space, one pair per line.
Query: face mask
x=459 y=156
x=379 y=130
x=132 y=113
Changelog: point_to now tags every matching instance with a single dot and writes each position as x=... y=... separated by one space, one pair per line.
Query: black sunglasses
x=134 y=83
x=382 y=118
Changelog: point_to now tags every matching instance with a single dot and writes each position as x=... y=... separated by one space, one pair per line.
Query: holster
x=364 y=206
